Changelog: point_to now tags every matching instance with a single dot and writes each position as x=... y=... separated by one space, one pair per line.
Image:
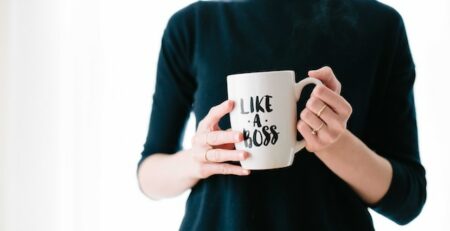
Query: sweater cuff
x=391 y=203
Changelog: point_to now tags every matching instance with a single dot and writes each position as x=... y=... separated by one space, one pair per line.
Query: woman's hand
x=325 y=117
x=343 y=153
x=211 y=146
x=163 y=175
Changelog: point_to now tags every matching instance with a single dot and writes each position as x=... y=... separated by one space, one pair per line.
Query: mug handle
x=300 y=144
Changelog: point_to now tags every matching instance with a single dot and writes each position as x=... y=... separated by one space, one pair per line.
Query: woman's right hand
x=212 y=146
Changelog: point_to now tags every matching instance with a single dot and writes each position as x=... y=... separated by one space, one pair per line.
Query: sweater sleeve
x=174 y=90
x=393 y=132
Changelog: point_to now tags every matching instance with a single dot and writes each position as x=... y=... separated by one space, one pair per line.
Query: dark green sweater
x=363 y=41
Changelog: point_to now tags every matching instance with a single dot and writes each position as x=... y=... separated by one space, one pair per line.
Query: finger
x=326 y=75
x=315 y=104
x=217 y=138
x=311 y=119
x=306 y=131
x=222 y=155
x=321 y=129
x=327 y=115
x=229 y=146
x=215 y=114
x=208 y=169
x=332 y=99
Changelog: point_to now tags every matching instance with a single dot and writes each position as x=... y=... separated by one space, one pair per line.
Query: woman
x=360 y=127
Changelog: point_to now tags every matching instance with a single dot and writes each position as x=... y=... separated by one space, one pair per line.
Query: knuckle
x=237 y=171
x=301 y=125
x=346 y=113
x=314 y=100
x=303 y=114
x=327 y=69
x=339 y=127
x=319 y=90
x=344 y=126
x=339 y=85
x=343 y=114
x=203 y=171
x=223 y=169
x=212 y=137
x=311 y=102
x=350 y=109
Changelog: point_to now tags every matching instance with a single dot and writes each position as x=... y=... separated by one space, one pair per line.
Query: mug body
x=265 y=112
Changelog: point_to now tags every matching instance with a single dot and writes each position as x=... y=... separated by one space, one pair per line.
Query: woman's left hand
x=325 y=117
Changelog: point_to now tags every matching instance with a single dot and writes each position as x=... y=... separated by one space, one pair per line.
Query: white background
x=76 y=79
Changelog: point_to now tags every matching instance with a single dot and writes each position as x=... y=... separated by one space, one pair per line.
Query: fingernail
x=244 y=155
x=245 y=171
x=230 y=102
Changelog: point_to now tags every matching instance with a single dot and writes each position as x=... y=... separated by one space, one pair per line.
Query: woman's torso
x=250 y=36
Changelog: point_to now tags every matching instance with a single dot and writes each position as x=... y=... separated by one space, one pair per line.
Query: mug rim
x=259 y=72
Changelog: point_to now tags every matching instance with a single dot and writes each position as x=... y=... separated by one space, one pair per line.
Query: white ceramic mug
x=265 y=111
